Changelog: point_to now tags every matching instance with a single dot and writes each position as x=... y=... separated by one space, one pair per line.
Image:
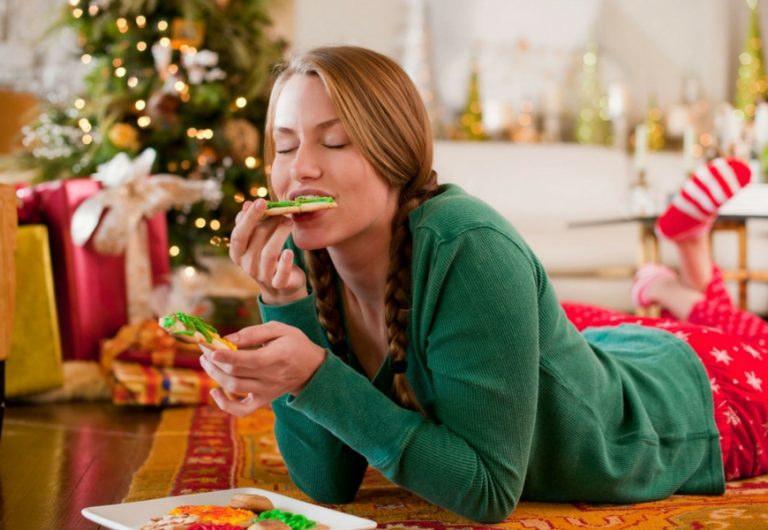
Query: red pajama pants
x=733 y=346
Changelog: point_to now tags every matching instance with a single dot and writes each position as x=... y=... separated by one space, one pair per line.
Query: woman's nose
x=305 y=164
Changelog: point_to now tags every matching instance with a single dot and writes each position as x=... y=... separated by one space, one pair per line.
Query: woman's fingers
x=255 y=336
x=245 y=226
x=270 y=253
x=242 y=407
x=283 y=273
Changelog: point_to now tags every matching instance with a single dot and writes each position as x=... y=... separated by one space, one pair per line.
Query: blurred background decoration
x=189 y=78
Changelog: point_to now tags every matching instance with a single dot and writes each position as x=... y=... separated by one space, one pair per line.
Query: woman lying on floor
x=413 y=330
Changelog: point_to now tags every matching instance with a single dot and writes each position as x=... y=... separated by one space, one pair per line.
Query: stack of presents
x=72 y=304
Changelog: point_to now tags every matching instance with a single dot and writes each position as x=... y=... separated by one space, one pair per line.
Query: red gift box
x=90 y=287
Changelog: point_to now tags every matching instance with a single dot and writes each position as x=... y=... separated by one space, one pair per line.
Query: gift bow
x=129 y=196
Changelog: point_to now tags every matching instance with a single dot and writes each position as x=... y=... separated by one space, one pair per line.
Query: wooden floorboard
x=56 y=459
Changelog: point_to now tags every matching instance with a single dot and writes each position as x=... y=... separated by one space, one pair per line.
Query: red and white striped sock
x=694 y=207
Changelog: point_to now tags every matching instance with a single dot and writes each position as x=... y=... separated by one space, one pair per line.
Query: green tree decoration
x=592 y=121
x=751 y=83
x=189 y=78
x=471 y=120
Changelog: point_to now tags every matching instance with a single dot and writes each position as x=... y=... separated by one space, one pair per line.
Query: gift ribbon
x=115 y=217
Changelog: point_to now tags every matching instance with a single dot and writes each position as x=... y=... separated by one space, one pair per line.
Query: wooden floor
x=57 y=459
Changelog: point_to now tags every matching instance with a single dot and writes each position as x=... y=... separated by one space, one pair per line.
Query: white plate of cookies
x=241 y=507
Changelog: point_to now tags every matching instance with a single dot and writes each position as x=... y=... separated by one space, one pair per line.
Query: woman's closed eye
x=285 y=149
x=336 y=145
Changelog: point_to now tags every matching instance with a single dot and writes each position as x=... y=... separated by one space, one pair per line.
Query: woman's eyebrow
x=322 y=125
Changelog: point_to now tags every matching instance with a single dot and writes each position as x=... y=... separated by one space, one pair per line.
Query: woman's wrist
x=318 y=362
x=278 y=299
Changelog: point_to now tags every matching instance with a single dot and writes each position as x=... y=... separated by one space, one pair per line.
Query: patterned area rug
x=203 y=449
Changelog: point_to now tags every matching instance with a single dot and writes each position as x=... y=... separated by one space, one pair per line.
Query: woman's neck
x=363 y=268
x=362 y=262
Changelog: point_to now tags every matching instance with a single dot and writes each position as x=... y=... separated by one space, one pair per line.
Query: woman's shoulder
x=452 y=212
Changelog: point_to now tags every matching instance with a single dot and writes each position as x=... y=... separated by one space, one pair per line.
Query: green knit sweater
x=520 y=404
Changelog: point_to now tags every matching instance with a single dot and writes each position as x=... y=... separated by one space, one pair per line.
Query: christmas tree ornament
x=163 y=107
x=162 y=55
x=201 y=65
x=113 y=217
x=186 y=32
x=243 y=138
x=751 y=83
x=124 y=136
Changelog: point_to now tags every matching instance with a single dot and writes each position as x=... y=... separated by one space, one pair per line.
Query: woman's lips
x=308 y=216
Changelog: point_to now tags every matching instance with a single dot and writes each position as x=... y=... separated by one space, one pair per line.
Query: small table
x=650 y=253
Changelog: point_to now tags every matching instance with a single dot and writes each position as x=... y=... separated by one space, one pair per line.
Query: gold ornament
x=656 y=134
x=124 y=136
x=223 y=4
x=243 y=137
x=186 y=32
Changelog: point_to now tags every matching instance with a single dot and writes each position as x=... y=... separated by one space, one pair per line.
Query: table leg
x=741 y=231
x=649 y=253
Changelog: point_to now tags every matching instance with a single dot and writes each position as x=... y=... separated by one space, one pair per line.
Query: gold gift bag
x=34 y=362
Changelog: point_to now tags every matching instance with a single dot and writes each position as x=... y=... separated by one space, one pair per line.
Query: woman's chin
x=307 y=242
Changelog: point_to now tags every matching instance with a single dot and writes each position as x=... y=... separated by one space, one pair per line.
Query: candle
x=761 y=127
x=688 y=158
x=641 y=147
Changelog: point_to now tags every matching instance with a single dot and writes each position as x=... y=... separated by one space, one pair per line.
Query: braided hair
x=386 y=120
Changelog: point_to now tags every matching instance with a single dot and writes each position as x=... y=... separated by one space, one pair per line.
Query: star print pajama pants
x=733 y=346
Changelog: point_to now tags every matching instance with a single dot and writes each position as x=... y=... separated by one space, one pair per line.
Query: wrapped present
x=90 y=287
x=109 y=244
x=34 y=361
x=148 y=344
x=136 y=384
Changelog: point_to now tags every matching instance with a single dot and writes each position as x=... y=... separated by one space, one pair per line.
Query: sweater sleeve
x=475 y=342
x=319 y=463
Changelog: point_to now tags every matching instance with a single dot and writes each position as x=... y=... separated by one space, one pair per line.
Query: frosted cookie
x=255 y=503
x=195 y=330
x=170 y=522
x=299 y=205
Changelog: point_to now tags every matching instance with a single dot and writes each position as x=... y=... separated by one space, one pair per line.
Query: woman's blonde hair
x=387 y=122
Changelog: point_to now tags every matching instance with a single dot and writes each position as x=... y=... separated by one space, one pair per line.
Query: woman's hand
x=277 y=359
x=256 y=245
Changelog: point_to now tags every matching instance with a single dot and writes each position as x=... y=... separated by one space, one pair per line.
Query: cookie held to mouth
x=194 y=329
x=299 y=205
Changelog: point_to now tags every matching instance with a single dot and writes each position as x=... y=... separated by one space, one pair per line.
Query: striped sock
x=694 y=207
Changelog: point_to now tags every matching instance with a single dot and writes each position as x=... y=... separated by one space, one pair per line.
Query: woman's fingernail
x=234 y=338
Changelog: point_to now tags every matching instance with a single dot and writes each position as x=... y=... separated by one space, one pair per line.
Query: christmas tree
x=592 y=121
x=471 y=119
x=189 y=78
x=751 y=83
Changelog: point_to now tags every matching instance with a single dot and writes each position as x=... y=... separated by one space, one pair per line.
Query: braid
x=322 y=276
x=398 y=290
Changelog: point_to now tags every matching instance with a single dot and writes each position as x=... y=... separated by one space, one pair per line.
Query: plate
x=132 y=515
